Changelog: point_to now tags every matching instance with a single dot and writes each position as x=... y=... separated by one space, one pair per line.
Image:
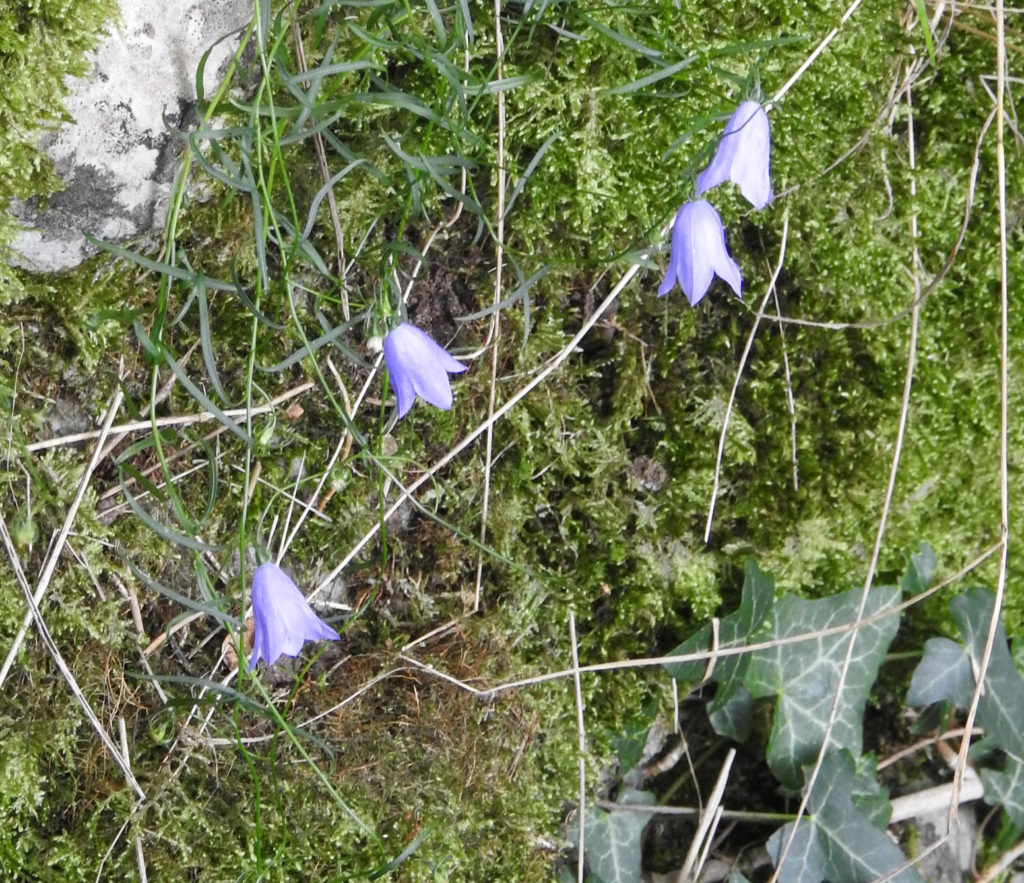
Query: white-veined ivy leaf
x=730 y=710
x=943 y=675
x=1001 y=711
x=805 y=675
x=1001 y=707
x=836 y=842
x=612 y=844
x=807 y=854
x=1006 y=787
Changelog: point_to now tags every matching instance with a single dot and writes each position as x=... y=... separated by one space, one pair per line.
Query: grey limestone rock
x=117 y=157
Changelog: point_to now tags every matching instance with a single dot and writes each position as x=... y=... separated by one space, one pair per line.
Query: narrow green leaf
x=213 y=481
x=331 y=336
x=167 y=436
x=650 y=79
x=926 y=29
x=142 y=481
x=467 y=20
x=321 y=194
x=622 y=39
x=530 y=169
x=154 y=350
x=522 y=291
x=317 y=74
x=158 y=266
x=493 y=87
x=247 y=302
x=204 y=400
x=438 y=20
x=214 y=608
x=404 y=855
x=161 y=529
x=206 y=343
x=227 y=172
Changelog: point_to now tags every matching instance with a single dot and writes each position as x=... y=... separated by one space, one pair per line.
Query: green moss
x=601 y=478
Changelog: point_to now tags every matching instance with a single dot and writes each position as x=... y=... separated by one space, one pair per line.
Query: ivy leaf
x=943 y=675
x=730 y=711
x=735 y=716
x=920 y=571
x=689 y=673
x=805 y=675
x=1001 y=707
x=868 y=796
x=612 y=844
x=836 y=841
x=1002 y=702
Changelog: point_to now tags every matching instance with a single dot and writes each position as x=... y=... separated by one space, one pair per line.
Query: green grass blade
x=926 y=30
x=161 y=529
x=650 y=79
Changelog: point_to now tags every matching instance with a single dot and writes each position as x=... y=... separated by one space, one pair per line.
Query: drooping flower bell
x=743 y=156
x=283 y=619
x=420 y=367
x=699 y=254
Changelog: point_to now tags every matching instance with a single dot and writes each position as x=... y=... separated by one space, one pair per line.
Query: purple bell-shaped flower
x=699 y=253
x=743 y=156
x=283 y=620
x=419 y=366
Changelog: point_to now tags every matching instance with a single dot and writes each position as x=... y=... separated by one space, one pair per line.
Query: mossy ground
x=600 y=480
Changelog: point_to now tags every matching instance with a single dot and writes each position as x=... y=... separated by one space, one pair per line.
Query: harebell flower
x=699 y=253
x=743 y=156
x=283 y=619
x=420 y=367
